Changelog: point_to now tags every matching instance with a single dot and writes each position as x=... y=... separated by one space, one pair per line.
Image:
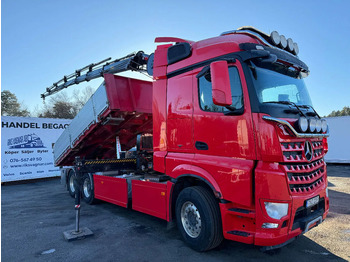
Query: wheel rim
x=71 y=184
x=87 y=187
x=191 y=219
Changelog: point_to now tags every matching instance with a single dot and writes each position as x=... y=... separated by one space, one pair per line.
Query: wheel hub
x=87 y=187
x=191 y=219
x=71 y=184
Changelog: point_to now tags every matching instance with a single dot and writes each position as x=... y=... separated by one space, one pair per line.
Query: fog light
x=269 y=225
x=324 y=125
x=312 y=125
x=276 y=210
x=318 y=126
x=303 y=124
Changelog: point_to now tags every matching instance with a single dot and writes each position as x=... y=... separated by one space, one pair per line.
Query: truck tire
x=198 y=218
x=88 y=190
x=70 y=183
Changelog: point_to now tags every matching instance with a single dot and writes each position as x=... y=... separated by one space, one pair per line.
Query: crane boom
x=134 y=62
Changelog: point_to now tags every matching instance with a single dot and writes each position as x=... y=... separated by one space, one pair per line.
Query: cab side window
x=205 y=92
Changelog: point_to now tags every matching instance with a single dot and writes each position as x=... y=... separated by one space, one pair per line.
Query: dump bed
x=120 y=107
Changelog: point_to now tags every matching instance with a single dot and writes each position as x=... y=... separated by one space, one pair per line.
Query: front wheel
x=198 y=218
x=88 y=190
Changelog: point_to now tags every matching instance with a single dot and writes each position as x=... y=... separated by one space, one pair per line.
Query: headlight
x=324 y=125
x=318 y=126
x=327 y=191
x=312 y=125
x=303 y=125
x=276 y=210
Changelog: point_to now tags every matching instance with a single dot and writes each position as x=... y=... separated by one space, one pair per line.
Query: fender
x=187 y=170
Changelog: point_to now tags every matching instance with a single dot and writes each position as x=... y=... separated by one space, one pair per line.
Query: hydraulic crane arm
x=134 y=62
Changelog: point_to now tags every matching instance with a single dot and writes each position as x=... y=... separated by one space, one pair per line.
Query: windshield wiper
x=287 y=103
x=313 y=109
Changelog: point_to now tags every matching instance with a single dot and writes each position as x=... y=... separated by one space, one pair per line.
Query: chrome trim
x=248 y=32
x=317 y=219
x=284 y=122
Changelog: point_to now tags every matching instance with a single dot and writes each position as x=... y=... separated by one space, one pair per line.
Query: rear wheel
x=198 y=218
x=88 y=190
x=70 y=183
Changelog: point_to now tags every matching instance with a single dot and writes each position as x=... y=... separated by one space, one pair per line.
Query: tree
x=59 y=106
x=344 y=112
x=62 y=106
x=10 y=105
x=81 y=96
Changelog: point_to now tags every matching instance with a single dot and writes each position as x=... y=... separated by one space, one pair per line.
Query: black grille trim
x=303 y=214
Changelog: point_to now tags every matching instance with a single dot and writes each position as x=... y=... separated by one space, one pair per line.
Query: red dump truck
x=224 y=140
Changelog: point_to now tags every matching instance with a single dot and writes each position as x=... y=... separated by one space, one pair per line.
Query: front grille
x=294 y=151
x=306 y=187
x=303 y=176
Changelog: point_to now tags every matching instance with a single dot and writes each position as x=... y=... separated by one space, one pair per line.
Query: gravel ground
x=35 y=215
x=334 y=233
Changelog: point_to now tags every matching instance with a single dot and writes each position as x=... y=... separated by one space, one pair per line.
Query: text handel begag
x=33 y=125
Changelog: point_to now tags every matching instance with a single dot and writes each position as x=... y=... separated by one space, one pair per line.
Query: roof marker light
x=275 y=38
x=290 y=45
x=283 y=42
x=296 y=49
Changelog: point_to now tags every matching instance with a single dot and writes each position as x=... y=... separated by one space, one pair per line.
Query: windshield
x=275 y=87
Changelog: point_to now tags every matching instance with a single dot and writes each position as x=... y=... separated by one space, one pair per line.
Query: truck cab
x=238 y=116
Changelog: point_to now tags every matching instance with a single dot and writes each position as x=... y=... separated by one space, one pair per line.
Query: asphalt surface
x=35 y=215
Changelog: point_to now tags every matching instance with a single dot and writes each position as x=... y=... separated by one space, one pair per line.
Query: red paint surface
x=150 y=198
x=111 y=189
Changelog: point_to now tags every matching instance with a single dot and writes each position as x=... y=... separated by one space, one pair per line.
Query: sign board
x=26 y=147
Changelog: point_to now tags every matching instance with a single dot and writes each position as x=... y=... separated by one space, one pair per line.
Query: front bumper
x=246 y=226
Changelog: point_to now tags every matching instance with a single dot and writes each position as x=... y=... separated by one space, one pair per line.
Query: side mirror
x=221 y=86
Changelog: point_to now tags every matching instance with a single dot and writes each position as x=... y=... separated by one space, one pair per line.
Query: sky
x=43 y=40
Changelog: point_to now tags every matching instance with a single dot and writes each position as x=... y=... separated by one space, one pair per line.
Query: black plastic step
x=239 y=233
x=240 y=210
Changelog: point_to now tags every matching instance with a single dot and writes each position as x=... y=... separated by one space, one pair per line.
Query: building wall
x=339 y=140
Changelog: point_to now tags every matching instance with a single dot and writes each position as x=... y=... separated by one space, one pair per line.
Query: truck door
x=179 y=111
x=224 y=142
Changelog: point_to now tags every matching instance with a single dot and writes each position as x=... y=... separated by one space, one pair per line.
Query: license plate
x=313 y=201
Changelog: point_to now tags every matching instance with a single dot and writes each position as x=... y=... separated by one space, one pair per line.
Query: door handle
x=201 y=145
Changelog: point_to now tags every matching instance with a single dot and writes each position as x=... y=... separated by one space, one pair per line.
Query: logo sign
x=308 y=151
x=26 y=147
x=25 y=141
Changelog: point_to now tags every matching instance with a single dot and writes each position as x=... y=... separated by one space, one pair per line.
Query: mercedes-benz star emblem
x=308 y=151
